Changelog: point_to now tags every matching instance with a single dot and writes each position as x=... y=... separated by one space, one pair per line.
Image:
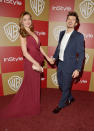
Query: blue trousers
x=64 y=81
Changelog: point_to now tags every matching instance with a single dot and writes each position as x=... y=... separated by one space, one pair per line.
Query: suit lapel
x=71 y=37
x=62 y=34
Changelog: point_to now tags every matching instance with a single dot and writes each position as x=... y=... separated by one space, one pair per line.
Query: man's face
x=71 y=22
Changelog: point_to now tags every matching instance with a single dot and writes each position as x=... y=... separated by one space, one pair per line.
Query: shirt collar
x=68 y=32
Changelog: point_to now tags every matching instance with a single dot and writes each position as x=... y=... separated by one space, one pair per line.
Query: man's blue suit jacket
x=74 y=52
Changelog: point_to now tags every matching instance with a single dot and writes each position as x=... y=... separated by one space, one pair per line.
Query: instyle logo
x=54 y=79
x=11 y=31
x=37 y=6
x=88 y=36
x=57 y=30
x=61 y=8
x=42 y=79
x=12 y=2
x=12 y=59
x=15 y=82
x=83 y=81
x=86 y=8
x=40 y=33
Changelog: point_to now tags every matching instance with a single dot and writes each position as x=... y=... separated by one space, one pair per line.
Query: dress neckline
x=35 y=39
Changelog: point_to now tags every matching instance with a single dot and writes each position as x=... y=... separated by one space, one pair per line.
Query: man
x=70 y=55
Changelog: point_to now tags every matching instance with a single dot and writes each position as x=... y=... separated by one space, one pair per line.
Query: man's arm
x=81 y=52
x=81 y=55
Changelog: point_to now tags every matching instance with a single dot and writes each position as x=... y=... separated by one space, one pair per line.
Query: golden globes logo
x=15 y=82
x=86 y=8
x=37 y=6
x=11 y=31
x=54 y=79
x=57 y=30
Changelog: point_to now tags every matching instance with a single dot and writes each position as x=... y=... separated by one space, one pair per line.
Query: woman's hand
x=37 y=67
x=51 y=60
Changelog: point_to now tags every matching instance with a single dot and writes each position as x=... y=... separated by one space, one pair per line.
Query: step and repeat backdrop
x=49 y=18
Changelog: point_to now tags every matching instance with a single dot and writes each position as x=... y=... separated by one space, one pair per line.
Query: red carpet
x=79 y=116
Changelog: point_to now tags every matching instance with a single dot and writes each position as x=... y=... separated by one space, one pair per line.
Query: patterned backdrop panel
x=11 y=59
x=83 y=83
x=85 y=10
x=91 y=87
x=89 y=54
x=1 y=86
x=41 y=29
x=11 y=82
x=9 y=35
x=59 y=9
x=11 y=8
x=38 y=8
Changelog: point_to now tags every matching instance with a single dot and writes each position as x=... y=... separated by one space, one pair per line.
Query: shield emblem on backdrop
x=86 y=8
x=54 y=79
x=57 y=30
x=15 y=82
x=86 y=58
x=37 y=6
x=11 y=31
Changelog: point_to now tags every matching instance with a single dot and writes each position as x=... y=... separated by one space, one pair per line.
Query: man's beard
x=69 y=27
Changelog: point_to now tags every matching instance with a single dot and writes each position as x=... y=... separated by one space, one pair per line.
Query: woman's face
x=26 y=21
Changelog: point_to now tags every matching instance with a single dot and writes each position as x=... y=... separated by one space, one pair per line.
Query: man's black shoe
x=57 y=110
x=70 y=101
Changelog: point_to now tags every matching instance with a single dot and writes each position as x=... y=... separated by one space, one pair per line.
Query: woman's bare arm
x=46 y=56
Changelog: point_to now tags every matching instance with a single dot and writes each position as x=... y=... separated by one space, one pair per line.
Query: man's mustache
x=69 y=23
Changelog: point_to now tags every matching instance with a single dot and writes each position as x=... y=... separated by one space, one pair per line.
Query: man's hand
x=51 y=60
x=75 y=74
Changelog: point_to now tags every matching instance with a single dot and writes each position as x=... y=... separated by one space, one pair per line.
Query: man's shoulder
x=79 y=33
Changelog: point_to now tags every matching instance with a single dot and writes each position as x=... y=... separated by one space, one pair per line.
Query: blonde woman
x=27 y=100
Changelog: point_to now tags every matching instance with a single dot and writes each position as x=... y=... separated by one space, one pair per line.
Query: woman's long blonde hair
x=22 y=30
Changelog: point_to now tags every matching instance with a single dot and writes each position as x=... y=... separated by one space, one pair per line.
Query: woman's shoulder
x=22 y=39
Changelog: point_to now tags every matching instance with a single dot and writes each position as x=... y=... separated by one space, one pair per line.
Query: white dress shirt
x=63 y=45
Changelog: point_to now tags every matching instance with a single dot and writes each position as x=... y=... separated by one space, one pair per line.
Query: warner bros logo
x=86 y=58
x=54 y=79
x=12 y=31
x=57 y=30
x=86 y=8
x=37 y=6
x=15 y=82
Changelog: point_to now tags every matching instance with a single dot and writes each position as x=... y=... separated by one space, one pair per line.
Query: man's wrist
x=53 y=58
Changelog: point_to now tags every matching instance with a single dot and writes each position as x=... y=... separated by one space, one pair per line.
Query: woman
x=27 y=99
